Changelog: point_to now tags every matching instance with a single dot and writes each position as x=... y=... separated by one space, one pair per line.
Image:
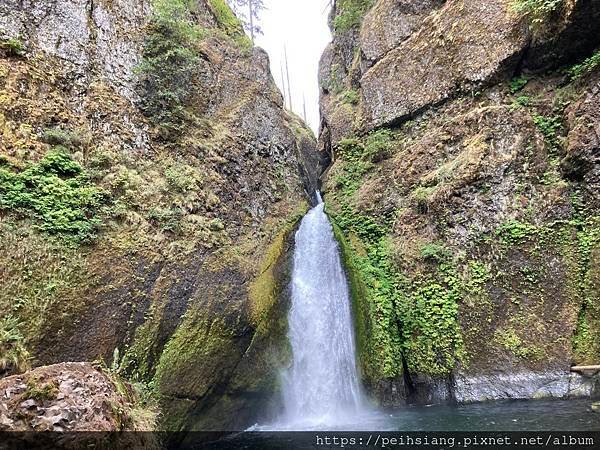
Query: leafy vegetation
x=432 y=338
x=14 y=357
x=12 y=46
x=350 y=97
x=435 y=251
x=229 y=22
x=515 y=232
x=537 y=11
x=516 y=84
x=350 y=14
x=587 y=66
x=410 y=316
x=56 y=193
x=550 y=127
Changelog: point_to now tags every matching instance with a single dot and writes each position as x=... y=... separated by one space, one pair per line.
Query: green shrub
x=14 y=357
x=56 y=194
x=56 y=136
x=12 y=46
x=350 y=14
x=587 y=66
x=350 y=97
x=537 y=11
x=516 y=84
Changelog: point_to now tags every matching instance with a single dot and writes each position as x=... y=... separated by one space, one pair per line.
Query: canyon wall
x=150 y=179
x=464 y=141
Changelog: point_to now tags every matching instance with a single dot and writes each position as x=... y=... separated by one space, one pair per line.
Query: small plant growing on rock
x=351 y=13
x=587 y=66
x=350 y=97
x=13 y=47
x=435 y=252
x=14 y=357
x=170 y=60
x=516 y=84
x=41 y=391
x=56 y=194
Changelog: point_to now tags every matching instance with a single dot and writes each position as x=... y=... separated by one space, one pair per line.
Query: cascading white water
x=321 y=389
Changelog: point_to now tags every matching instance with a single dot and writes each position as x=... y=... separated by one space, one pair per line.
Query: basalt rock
x=67 y=397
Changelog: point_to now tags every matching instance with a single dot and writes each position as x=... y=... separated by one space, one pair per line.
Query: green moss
x=57 y=194
x=510 y=340
x=586 y=340
x=41 y=391
x=169 y=62
x=414 y=315
x=229 y=23
x=264 y=291
x=39 y=278
x=432 y=338
x=59 y=137
x=350 y=14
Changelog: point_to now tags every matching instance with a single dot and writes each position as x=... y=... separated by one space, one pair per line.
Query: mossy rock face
x=468 y=223
x=183 y=199
x=220 y=370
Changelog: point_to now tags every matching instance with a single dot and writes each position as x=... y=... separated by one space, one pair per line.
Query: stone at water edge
x=596 y=407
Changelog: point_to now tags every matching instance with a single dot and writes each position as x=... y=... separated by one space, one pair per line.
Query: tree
x=249 y=12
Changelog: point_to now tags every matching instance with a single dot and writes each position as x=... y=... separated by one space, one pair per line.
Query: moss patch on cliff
x=167 y=70
x=229 y=348
x=229 y=23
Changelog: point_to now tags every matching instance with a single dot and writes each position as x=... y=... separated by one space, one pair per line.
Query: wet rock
x=582 y=160
x=523 y=385
x=250 y=164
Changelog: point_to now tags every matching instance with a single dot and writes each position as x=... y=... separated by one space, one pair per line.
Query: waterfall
x=321 y=388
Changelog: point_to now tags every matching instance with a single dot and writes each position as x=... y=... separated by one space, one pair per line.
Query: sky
x=300 y=26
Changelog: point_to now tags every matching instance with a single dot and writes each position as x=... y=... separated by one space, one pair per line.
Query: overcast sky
x=300 y=25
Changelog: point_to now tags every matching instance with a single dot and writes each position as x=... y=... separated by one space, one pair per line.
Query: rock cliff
x=150 y=179
x=464 y=187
